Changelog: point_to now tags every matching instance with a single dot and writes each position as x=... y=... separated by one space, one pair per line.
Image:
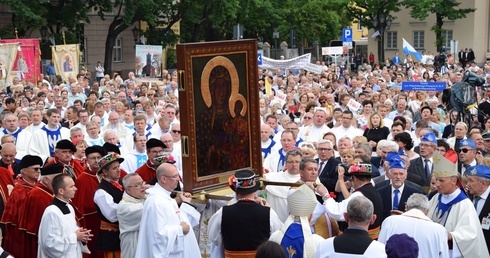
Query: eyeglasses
x=307 y=117
x=176 y=131
x=156 y=151
x=137 y=184
x=324 y=149
x=464 y=150
x=173 y=177
x=323 y=102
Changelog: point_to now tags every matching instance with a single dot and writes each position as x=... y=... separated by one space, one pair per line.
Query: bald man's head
x=8 y=153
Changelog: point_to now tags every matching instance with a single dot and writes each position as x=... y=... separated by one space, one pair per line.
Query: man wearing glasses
x=129 y=211
x=467 y=155
x=30 y=170
x=154 y=149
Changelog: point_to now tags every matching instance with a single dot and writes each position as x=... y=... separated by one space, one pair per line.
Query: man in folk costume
x=108 y=194
x=154 y=148
x=361 y=180
x=166 y=229
x=59 y=233
x=296 y=237
x=43 y=141
x=87 y=184
x=129 y=211
x=38 y=199
x=64 y=155
x=322 y=224
x=109 y=147
x=276 y=195
x=239 y=229
x=355 y=241
x=451 y=208
x=30 y=170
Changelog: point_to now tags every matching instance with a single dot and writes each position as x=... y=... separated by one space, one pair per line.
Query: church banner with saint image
x=27 y=63
x=66 y=59
x=7 y=58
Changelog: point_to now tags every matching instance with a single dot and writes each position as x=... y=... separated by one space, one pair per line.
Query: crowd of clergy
x=362 y=169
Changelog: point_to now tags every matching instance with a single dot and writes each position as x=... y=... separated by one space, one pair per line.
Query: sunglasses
x=323 y=102
x=176 y=131
x=463 y=150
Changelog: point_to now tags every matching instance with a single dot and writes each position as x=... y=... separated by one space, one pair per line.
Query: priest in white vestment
x=430 y=236
x=129 y=211
x=165 y=229
x=59 y=234
x=276 y=195
x=276 y=161
x=451 y=208
x=315 y=132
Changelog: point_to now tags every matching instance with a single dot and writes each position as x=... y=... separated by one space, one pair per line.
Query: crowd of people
x=93 y=165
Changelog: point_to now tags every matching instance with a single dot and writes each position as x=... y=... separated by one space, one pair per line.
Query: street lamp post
x=275 y=35
x=381 y=24
x=136 y=34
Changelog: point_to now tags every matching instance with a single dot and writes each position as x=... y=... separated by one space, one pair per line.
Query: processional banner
x=7 y=58
x=148 y=61
x=27 y=62
x=66 y=59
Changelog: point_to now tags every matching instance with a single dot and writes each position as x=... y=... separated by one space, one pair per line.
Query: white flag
x=142 y=38
x=375 y=34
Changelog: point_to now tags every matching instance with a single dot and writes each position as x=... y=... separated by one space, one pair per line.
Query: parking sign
x=347 y=35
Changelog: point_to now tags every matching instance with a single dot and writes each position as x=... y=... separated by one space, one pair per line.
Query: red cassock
x=38 y=199
x=86 y=185
x=75 y=164
x=146 y=172
x=11 y=217
x=6 y=179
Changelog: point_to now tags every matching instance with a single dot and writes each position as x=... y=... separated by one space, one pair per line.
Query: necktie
x=69 y=171
x=477 y=199
x=465 y=168
x=321 y=167
x=427 y=169
x=395 y=199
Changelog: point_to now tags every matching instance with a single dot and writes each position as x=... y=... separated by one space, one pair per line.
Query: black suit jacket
x=484 y=213
x=329 y=175
x=385 y=193
x=416 y=172
x=15 y=167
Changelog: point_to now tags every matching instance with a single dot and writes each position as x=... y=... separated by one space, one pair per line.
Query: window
x=117 y=50
x=418 y=39
x=392 y=40
x=447 y=36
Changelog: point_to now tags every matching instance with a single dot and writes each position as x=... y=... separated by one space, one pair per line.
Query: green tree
x=157 y=13
x=443 y=9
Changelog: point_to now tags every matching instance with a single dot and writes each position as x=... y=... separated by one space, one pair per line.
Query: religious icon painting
x=219 y=111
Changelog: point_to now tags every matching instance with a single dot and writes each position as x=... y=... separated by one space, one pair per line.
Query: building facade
x=470 y=32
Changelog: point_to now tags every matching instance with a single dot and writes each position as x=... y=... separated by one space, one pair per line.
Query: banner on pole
x=8 y=53
x=299 y=62
x=148 y=60
x=66 y=59
x=27 y=63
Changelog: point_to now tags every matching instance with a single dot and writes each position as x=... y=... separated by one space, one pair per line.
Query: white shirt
x=482 y=201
